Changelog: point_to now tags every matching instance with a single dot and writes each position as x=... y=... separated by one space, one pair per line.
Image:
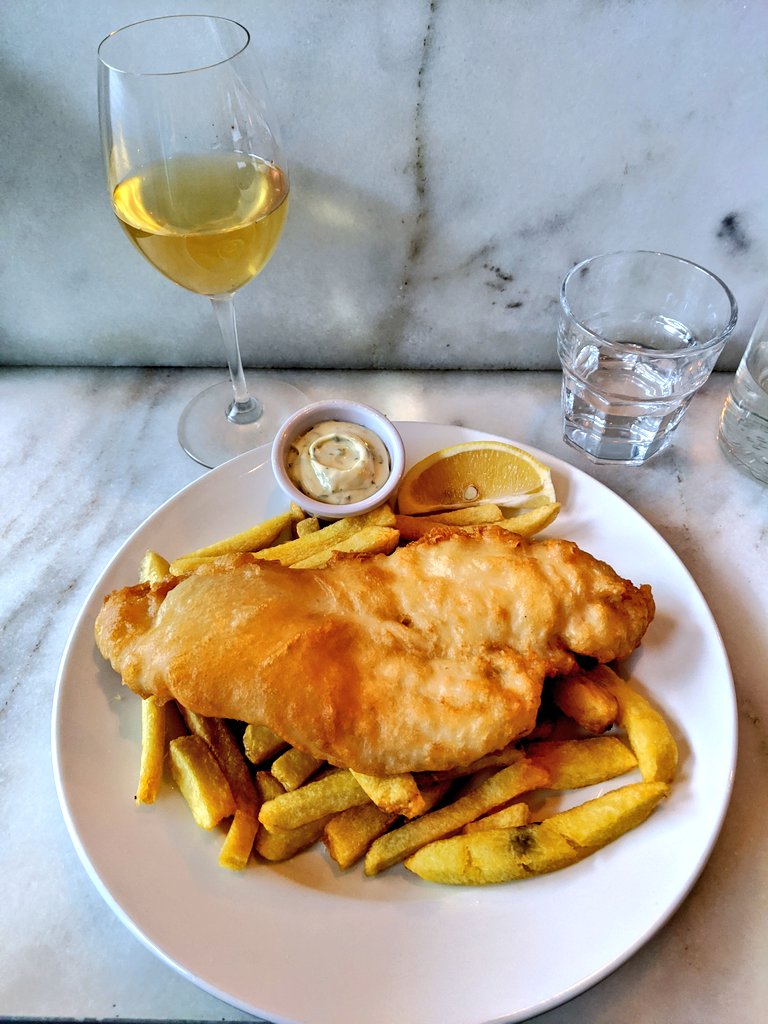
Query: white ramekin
x=349 y=412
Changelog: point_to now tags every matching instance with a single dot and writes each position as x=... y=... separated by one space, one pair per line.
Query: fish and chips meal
x=401 y=687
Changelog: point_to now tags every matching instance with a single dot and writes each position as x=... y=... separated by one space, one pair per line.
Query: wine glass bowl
x=199 y=183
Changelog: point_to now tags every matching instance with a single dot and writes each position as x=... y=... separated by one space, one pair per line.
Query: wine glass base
x=210 y=437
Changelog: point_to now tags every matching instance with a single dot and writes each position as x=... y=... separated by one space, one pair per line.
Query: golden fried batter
x=424 y=659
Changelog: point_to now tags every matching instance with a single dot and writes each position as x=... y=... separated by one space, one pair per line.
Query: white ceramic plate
x=304 y=942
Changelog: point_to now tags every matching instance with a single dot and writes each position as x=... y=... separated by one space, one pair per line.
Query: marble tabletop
x=87 y=454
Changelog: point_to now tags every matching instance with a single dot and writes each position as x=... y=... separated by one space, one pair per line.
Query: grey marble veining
x=86 y=455
x=450 y=160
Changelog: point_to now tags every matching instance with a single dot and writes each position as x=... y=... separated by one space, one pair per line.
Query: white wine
x=209 y=222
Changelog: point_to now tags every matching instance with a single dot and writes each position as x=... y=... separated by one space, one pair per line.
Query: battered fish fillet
x=421 y=660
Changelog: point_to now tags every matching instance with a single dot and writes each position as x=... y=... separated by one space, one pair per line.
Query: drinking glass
x=199 y=184
x=743 y=430
x=639 y=334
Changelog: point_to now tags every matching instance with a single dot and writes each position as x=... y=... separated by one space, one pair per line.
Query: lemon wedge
x=476 y=473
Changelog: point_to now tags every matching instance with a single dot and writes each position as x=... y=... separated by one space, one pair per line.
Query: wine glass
x=199 y=183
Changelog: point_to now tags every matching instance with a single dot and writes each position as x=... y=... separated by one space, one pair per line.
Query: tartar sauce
x=338 y=463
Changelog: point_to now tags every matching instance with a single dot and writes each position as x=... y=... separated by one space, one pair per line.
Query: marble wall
x=449 y=159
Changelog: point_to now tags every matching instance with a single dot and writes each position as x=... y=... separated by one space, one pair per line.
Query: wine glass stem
x=244 y=408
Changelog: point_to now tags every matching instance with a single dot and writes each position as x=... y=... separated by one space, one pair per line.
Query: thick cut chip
x=260 y=743
x=600 y=821
x=335 y=792
x=647 y=731
x=413 y=527
x=237 y=848
x=253 y=539
x=236 y=851
x=587 y=701
x=398 y=793
x=267 y=786
x=304 y=547
x=496 y=791
x=348 y=835
x=498 y=759
x=280 y=846
x=294 y=767
x=225 y=749
x=201 y=781
x=153 y=732
x=503 y=855
x=573 y=764
x=527 y=524
x=309 y=525
x=372 y=540
x=470 y=783
x=472 y=516
x=153 y=568
x=507 y=817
